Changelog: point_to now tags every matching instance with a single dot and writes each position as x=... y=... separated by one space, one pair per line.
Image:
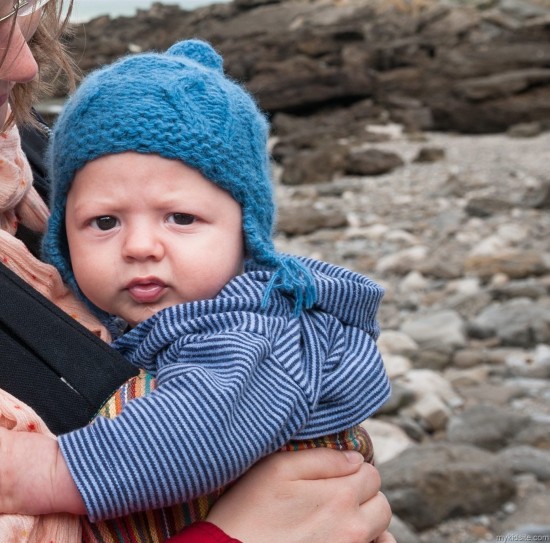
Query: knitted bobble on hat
x=178 y=105
x=199 y=51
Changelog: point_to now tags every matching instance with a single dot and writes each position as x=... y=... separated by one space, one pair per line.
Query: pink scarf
x=20 y=203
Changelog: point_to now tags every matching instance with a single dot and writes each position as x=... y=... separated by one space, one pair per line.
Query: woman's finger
x=311 y=464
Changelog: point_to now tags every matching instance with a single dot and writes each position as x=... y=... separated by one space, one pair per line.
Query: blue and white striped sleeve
x=225 y=403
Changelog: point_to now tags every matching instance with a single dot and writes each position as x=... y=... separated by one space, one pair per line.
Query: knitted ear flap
x=198 y=51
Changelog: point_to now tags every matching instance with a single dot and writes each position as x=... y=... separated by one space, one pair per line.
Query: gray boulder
x=486 y=426
x=428 y=484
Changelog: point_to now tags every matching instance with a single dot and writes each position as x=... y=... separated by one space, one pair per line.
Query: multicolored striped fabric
x=158 y=525
x=235 y=382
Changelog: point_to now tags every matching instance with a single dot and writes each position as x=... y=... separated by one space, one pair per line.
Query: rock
x=439 y=330
x=485 y=207
x=450 y=67
x=531 y=510
x=411 y=427
x=428 y=484
x=442 y=263
x=396 y=342
x=486 y=426
x=526 y=459
x=525 y=288
x=388 y=439
x=425 y=382
x=538 y=197
x=519 y=322
x=400 y=397
x=530 y=364
x=491 y=246
x=534 y=434
x=435 y=359
x=501 y=85
x=401 y=531
x=297 y=219
x=402 y=262
x=396 y=365
x=515 y=264
x=430 y=154
x=497 y=394
x=413 y=282
x=524 y=130
x=468 y=305
x=248 y=4
x=432 y=412
x=467 y=377
x=467 y=358
x=523 y=9
x=316 y=165
x=372 y=162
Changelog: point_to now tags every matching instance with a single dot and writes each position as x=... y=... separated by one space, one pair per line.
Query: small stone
x=402 y=262
x=515 y=264
x=388 y=439
x=430 y=154
x=425 y=381
x=372 y=162
x=400 y=397
x=467 y=358
x=530 y=364
x=432 y=412
x=441 y=330
x=396 y=342
x=525 y=130
x=396 y=365
x=467 y=377
x=401 y=531
x=485 y=207
x=527 y=459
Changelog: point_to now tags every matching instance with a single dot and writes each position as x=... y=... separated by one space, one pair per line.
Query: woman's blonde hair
x=53 y=61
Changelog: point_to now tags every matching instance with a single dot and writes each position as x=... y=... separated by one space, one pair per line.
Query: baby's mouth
x=146 y=290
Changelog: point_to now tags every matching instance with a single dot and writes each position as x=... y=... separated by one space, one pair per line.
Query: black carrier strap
x=50 y=361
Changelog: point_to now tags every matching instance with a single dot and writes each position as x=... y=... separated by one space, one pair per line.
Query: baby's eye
x=183 y=219
x=106 y=222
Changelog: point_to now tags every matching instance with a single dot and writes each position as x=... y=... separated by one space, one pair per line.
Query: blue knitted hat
x=178 y=105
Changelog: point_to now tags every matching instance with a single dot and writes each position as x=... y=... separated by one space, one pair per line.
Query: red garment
x=202 y=532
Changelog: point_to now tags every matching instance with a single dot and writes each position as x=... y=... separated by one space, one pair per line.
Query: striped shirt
x=234 y=383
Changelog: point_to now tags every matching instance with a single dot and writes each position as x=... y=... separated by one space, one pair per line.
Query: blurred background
x=411 y=143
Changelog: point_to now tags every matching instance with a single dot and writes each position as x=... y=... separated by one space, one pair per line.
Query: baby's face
x=146 y=233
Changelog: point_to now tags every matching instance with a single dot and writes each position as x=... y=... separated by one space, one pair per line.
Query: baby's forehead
x=165 y=178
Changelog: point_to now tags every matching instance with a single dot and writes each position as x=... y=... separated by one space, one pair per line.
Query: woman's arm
x=313 y=496
x=34 y=478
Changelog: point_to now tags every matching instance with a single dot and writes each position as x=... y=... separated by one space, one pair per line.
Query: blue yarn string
x=292 y=277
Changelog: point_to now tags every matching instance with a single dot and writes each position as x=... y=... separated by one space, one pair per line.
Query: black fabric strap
x=50 y=361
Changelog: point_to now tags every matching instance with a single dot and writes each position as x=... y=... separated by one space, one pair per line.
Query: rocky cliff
x=325 y=69
x=471 y=66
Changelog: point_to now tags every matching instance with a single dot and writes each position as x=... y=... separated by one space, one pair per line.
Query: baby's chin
x=145 y=311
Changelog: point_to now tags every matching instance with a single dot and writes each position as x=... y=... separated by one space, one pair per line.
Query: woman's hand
x=312 y=496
